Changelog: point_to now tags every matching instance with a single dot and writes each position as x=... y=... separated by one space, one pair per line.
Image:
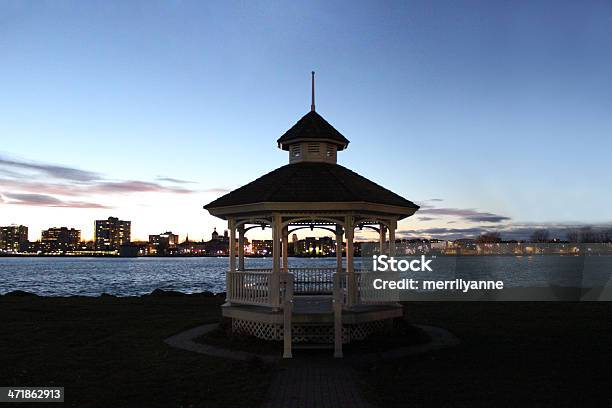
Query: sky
x=492 y=115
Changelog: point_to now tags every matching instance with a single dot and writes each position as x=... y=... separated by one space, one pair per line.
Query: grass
x=109 y=352
x=512 y=354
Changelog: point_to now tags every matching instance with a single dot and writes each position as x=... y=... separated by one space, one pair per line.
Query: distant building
x=162 y=244
x=315 y=246
x=188 y=247
x=261 y=246
x=14 y=238
x=60 y=239
x=216 y=237
x=112 y=233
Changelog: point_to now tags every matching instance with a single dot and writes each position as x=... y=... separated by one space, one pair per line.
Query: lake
x=64 y=276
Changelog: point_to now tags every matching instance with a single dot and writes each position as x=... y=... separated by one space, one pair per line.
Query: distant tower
x=215 y=235
x=294 y=238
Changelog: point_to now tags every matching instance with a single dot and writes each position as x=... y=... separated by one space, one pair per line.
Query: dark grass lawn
x=513 y=354
x=109 y=352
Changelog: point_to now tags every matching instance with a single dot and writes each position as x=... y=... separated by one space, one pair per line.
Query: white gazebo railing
x=250 y=287
x=313 y=281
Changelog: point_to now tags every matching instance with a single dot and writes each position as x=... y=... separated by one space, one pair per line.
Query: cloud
x=45 y=184
x=216 y=190
x=428 y=207
x=98 y=187
x=487 y=217
x=50 y=170
x=467 y=214
x=428 y=203
x=47 y=188
x=134 y=186
x=174 y=180
x=43 y=200
x=443 y=233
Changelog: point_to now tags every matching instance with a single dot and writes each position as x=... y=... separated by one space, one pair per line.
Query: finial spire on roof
x=312 y=105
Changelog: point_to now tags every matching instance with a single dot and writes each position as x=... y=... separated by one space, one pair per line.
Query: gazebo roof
x=311 y=182
x=312 y=127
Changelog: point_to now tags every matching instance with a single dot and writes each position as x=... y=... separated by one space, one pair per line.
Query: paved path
x=319 y=382
x=312 y=379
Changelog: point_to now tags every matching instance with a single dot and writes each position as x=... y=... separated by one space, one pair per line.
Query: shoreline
x=155 y=293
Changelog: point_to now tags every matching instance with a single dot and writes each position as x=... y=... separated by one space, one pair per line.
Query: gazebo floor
x=313 y=309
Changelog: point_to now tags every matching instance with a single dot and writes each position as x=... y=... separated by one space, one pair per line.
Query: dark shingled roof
x=311 y=182
x=312 y=126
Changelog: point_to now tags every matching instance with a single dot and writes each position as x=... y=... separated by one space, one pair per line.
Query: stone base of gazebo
x=312 y=321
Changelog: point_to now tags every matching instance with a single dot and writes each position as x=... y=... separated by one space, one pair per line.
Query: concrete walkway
x=313 y=378
x=320 y=382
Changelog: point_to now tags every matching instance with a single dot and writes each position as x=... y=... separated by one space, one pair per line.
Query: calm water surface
x=136 y=276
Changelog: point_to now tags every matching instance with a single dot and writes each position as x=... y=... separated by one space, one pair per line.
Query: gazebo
x=308 y=307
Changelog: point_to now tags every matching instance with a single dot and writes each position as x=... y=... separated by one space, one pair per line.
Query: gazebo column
x=231 y=223
x=392 y=228
x=241 y=248
x=337 y=299
x=276 y=252
x=285 y=249
x=349 y=233
x=338 y=249
x=382 y=238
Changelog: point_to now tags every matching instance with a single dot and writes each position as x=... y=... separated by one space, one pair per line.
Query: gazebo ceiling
x=315 y=186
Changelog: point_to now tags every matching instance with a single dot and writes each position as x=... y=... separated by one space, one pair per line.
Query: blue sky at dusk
x=495 y=115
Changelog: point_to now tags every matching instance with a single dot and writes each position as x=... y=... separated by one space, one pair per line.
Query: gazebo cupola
x=312 y=138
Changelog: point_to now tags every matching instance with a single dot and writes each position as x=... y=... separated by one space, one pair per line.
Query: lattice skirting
x=261 y=330
x=307 y=333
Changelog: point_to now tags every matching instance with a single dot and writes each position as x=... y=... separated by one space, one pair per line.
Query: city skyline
x=480 y=120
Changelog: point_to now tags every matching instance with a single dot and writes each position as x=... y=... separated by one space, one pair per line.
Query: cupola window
x=295 y=151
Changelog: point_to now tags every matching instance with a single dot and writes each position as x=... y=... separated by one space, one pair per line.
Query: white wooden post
x=392 y=227
x=349 y=232
x=338 y=315
x=285 y=249
x=231 y=224
x=382 y=238
x=241 y=247
x=287 y=316
x=338 y=249
x=274 y=279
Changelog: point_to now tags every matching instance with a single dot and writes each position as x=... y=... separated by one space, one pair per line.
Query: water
x=136 y=276
x=64 y=276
